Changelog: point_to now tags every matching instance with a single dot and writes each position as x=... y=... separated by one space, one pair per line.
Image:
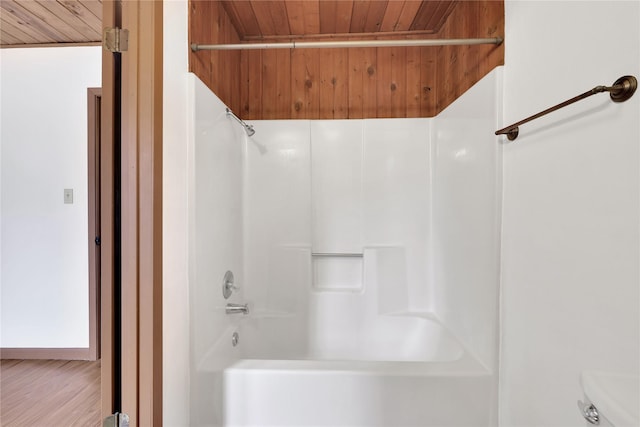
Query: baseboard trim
x=46 y=353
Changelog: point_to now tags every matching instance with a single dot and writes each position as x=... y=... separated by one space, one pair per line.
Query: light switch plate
x=68 y=195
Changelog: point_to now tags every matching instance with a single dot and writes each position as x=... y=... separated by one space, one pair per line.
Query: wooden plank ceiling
x=259 y=19
x=343 y=83
x=50 y=22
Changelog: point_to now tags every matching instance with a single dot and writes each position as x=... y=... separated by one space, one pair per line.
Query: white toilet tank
x=611 y=399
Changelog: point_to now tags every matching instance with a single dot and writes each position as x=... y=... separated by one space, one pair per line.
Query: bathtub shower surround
x=368 y=253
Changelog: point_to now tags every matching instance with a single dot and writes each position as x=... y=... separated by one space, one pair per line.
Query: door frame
x=93 y=192
x=138 y=390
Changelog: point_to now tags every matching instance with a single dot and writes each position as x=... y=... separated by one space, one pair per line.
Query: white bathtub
x=354 y=356
x=451 y=389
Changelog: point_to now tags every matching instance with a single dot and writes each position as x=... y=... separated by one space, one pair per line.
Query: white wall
x=44 y=266
x=176 y=167
x=467 y=191
x=337 y=187
x=215 y=247
x=570 y=221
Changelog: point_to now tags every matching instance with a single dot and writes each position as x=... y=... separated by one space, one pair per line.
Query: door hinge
x=116 y=420
x=115 y=39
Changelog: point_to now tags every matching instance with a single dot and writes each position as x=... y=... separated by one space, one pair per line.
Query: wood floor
x=48 y=393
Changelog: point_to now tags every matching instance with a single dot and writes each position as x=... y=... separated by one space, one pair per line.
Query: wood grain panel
x=375 y=15
x=333 y=90
x=298 y=81
x=93 y=6
x=398 y=85
x=49 y=393
x=311 y=16
x=328 y=13
x=428 y=81
x=383 y=82
x=326 y=83
x=220 y=70
x=392 y=15
x=460 y=67
x=79 y=10
x=269 y=84
x=311 y=82
x=251 y=84
x=340 y=82
x=279 y=17
x=283 y=82
x=432 y=14
x=16 y=31
x=50 y=22
x=295 y=13
x=356 y=83
x=408 y=14
x=344 y=9
x=413 y=82
x=262 y=10
x=75 y=20
x=359 y=16
x=15 y=18
x=35 y=15
x=7 y=37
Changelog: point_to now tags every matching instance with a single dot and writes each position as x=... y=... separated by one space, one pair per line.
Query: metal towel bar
x=621 y=90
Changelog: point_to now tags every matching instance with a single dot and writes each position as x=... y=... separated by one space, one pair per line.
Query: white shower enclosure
x=368 y=253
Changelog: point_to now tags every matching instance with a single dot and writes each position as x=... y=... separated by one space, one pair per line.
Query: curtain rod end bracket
x=512 y=133
x=629 y=85
x=194 y=47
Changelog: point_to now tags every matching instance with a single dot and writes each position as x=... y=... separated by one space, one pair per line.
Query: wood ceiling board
x=81 y=12
x=279 y=18
x=93 y=6
x=413 y=82
x=262 y=11
x=17 y=32
x=359 y=16
x=76 y=21
x=344 y=10
x=63 y=30
x=391 y=16
x=311 y=16
x=263 y=19
x=375 y=16
x=432 y=14
x=48 y=22
x=441 y=14
x=243 y=17
x=408 y=14
x=376 y=82
x=15 y=17
x=328 y=12
x=295 y=13
x=7 y=38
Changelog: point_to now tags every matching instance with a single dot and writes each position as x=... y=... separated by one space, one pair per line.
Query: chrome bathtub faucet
x=237 y=308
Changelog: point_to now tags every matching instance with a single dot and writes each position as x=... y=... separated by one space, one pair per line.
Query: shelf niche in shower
x=337 y=272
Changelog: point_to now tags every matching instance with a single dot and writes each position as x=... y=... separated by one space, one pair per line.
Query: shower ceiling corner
x=343 y=83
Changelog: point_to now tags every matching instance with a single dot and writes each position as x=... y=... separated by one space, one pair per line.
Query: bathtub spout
x=237 y=308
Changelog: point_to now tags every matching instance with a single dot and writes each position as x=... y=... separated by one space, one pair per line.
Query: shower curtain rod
x=621 y=90
x=352 y=43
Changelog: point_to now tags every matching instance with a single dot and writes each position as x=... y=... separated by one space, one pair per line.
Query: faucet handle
x=228 y=285
x=589 y=412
